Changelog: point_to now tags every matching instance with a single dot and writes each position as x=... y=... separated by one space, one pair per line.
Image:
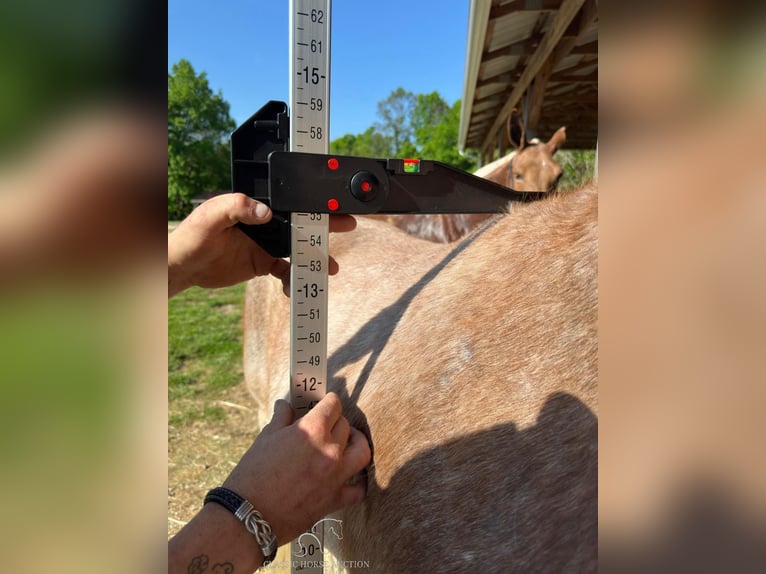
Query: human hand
x=208 y=250
x=294 y=474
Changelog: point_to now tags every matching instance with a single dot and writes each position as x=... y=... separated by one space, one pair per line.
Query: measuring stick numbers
x=309 y=133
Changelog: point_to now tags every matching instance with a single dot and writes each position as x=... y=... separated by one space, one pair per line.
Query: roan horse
x=531 y=167
x=472 y=368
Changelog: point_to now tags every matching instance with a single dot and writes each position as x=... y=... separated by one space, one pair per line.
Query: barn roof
x=538 y=56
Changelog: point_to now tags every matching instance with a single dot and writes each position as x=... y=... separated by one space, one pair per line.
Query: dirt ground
x=202 y=453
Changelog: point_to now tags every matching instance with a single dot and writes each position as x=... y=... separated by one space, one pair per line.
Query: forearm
x=178 y=278
x=176 y=281
x=216 y=540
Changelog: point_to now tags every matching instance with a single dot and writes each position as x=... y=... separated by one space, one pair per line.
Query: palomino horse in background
x=472 y=368
x=531 y=167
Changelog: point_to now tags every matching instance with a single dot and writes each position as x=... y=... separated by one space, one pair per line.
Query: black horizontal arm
x=291 y=182
x=318 y=183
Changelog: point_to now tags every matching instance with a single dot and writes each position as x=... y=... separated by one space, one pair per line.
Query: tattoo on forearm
x=198 y=564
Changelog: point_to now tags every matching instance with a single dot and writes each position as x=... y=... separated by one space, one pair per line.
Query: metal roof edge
x=477 y=29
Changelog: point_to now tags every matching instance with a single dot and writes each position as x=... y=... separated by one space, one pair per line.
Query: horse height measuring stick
x=309 y=132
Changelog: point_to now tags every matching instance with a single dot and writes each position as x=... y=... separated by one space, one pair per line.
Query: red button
x=365 y=186
x=332 y=204
x=332 y=163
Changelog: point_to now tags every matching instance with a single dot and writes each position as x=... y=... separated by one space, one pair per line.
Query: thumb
x=225 y=210
x=283 y=416
x=252 y=211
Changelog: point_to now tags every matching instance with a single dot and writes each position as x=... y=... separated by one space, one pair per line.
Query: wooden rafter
x=563 y=17
x=562 y=91
x=538 y=92
x=524 y=6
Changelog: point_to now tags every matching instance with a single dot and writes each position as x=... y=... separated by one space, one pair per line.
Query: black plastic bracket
x=267 y=131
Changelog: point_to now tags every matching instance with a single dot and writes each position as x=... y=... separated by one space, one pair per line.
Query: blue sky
x=377 y=46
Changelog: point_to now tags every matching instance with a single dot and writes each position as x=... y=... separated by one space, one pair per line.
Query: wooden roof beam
x=566 y=13
x=589 y=49
x=523 y=47
x=538 y=92
x=504 y=78
x=524 y=6
x=591 y=78
x=583 y=64
x=578 y=27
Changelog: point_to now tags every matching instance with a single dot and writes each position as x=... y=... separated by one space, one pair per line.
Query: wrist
x=178 y=277
x=216 y=537
x=265 y=506
x=251 y=518
x=177 y=280
x=243 y=547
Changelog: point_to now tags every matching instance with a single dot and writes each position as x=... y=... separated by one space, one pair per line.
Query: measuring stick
x=310 y=133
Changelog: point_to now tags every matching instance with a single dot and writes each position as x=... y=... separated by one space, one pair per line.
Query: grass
x=210 y=422
x=204 y=347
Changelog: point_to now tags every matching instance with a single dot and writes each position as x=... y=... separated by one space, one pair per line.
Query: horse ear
x=515 y=130
x=557 y=140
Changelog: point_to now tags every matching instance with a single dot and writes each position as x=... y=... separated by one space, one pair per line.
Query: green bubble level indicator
x=411 y=166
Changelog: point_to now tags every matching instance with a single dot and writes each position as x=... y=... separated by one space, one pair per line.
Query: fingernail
x=262 y=210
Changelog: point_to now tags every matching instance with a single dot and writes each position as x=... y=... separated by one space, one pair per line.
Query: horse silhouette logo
x=309 y=543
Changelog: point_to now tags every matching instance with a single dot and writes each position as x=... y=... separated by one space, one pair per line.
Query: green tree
x=422 y=125
x=429 y=111
x=371 y=143
x=346 y=145
x=578 y=166
x=198 y=148
x=395 y=112
x=441 y=140
x=374 y=144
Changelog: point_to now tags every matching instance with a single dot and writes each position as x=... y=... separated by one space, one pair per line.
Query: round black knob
x=364 y=186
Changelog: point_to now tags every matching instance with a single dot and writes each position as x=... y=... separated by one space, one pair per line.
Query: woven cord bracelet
x=252 y=519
